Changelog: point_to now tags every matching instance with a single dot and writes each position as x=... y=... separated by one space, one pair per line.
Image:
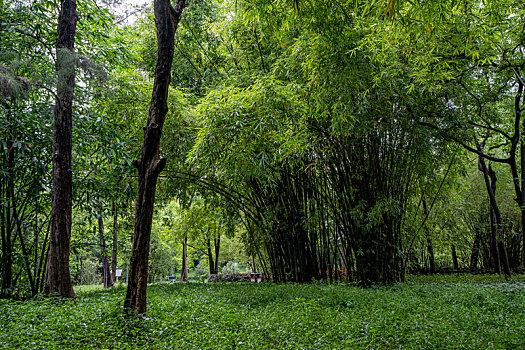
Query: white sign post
x=118 y=273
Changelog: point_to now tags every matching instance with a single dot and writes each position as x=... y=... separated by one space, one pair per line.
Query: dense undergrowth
x=471 y=312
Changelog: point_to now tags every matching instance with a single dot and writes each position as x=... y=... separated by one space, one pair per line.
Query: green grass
x=467 y=312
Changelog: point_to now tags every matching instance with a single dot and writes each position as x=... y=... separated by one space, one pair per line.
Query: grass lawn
x=468 y=312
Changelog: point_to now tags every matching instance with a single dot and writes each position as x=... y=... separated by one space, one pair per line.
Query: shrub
x=230 y=277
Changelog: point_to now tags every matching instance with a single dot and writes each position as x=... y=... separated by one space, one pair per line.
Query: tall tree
x=58 y=279
x=150 y=164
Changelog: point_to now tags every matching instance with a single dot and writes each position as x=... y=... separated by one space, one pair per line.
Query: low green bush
x=230 y=277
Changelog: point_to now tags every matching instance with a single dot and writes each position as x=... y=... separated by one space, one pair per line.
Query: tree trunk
x=114 y=253
x=430 y=244
x=210 y=259
x=494 y=243
x=36 y=260
x=184 y=273
x=475 y=252
x=495 y=216
x=504 y=259
x=22 y=234
x=494 y=212
x=150 y=164
x=106 y=273
x=41 y=269
x=431 y=259
x=455 y=263
x=217 y=250
x=522 y=209
x=519 y=186
x=6 y=222
x=58 y=279
x=7 y=265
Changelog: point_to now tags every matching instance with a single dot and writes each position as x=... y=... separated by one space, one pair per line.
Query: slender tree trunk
x=150 y=164
x=42 y=263
x=502 y=251
x=22 y=233
x=217 y=250
x=494 y=243
x=519 y=186
x=431 y=259
x=523 y=231
x=430 y=244
x=210 y=259
x=7 y=207
x=114 y=253
x=58 y=279
x=184 y=273
x=106 y=272
x=36 y=260
x=7 y=265
x=504 y=259
x=495 y=216
x=6 y=226
x=455 y=263
x=475 y=252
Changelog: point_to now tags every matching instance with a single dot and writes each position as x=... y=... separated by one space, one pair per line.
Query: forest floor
x=428 y=312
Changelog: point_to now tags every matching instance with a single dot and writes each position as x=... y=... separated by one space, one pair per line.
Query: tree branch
x=465 y=146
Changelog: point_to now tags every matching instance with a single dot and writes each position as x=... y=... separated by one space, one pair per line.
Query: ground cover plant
x=468 y=312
